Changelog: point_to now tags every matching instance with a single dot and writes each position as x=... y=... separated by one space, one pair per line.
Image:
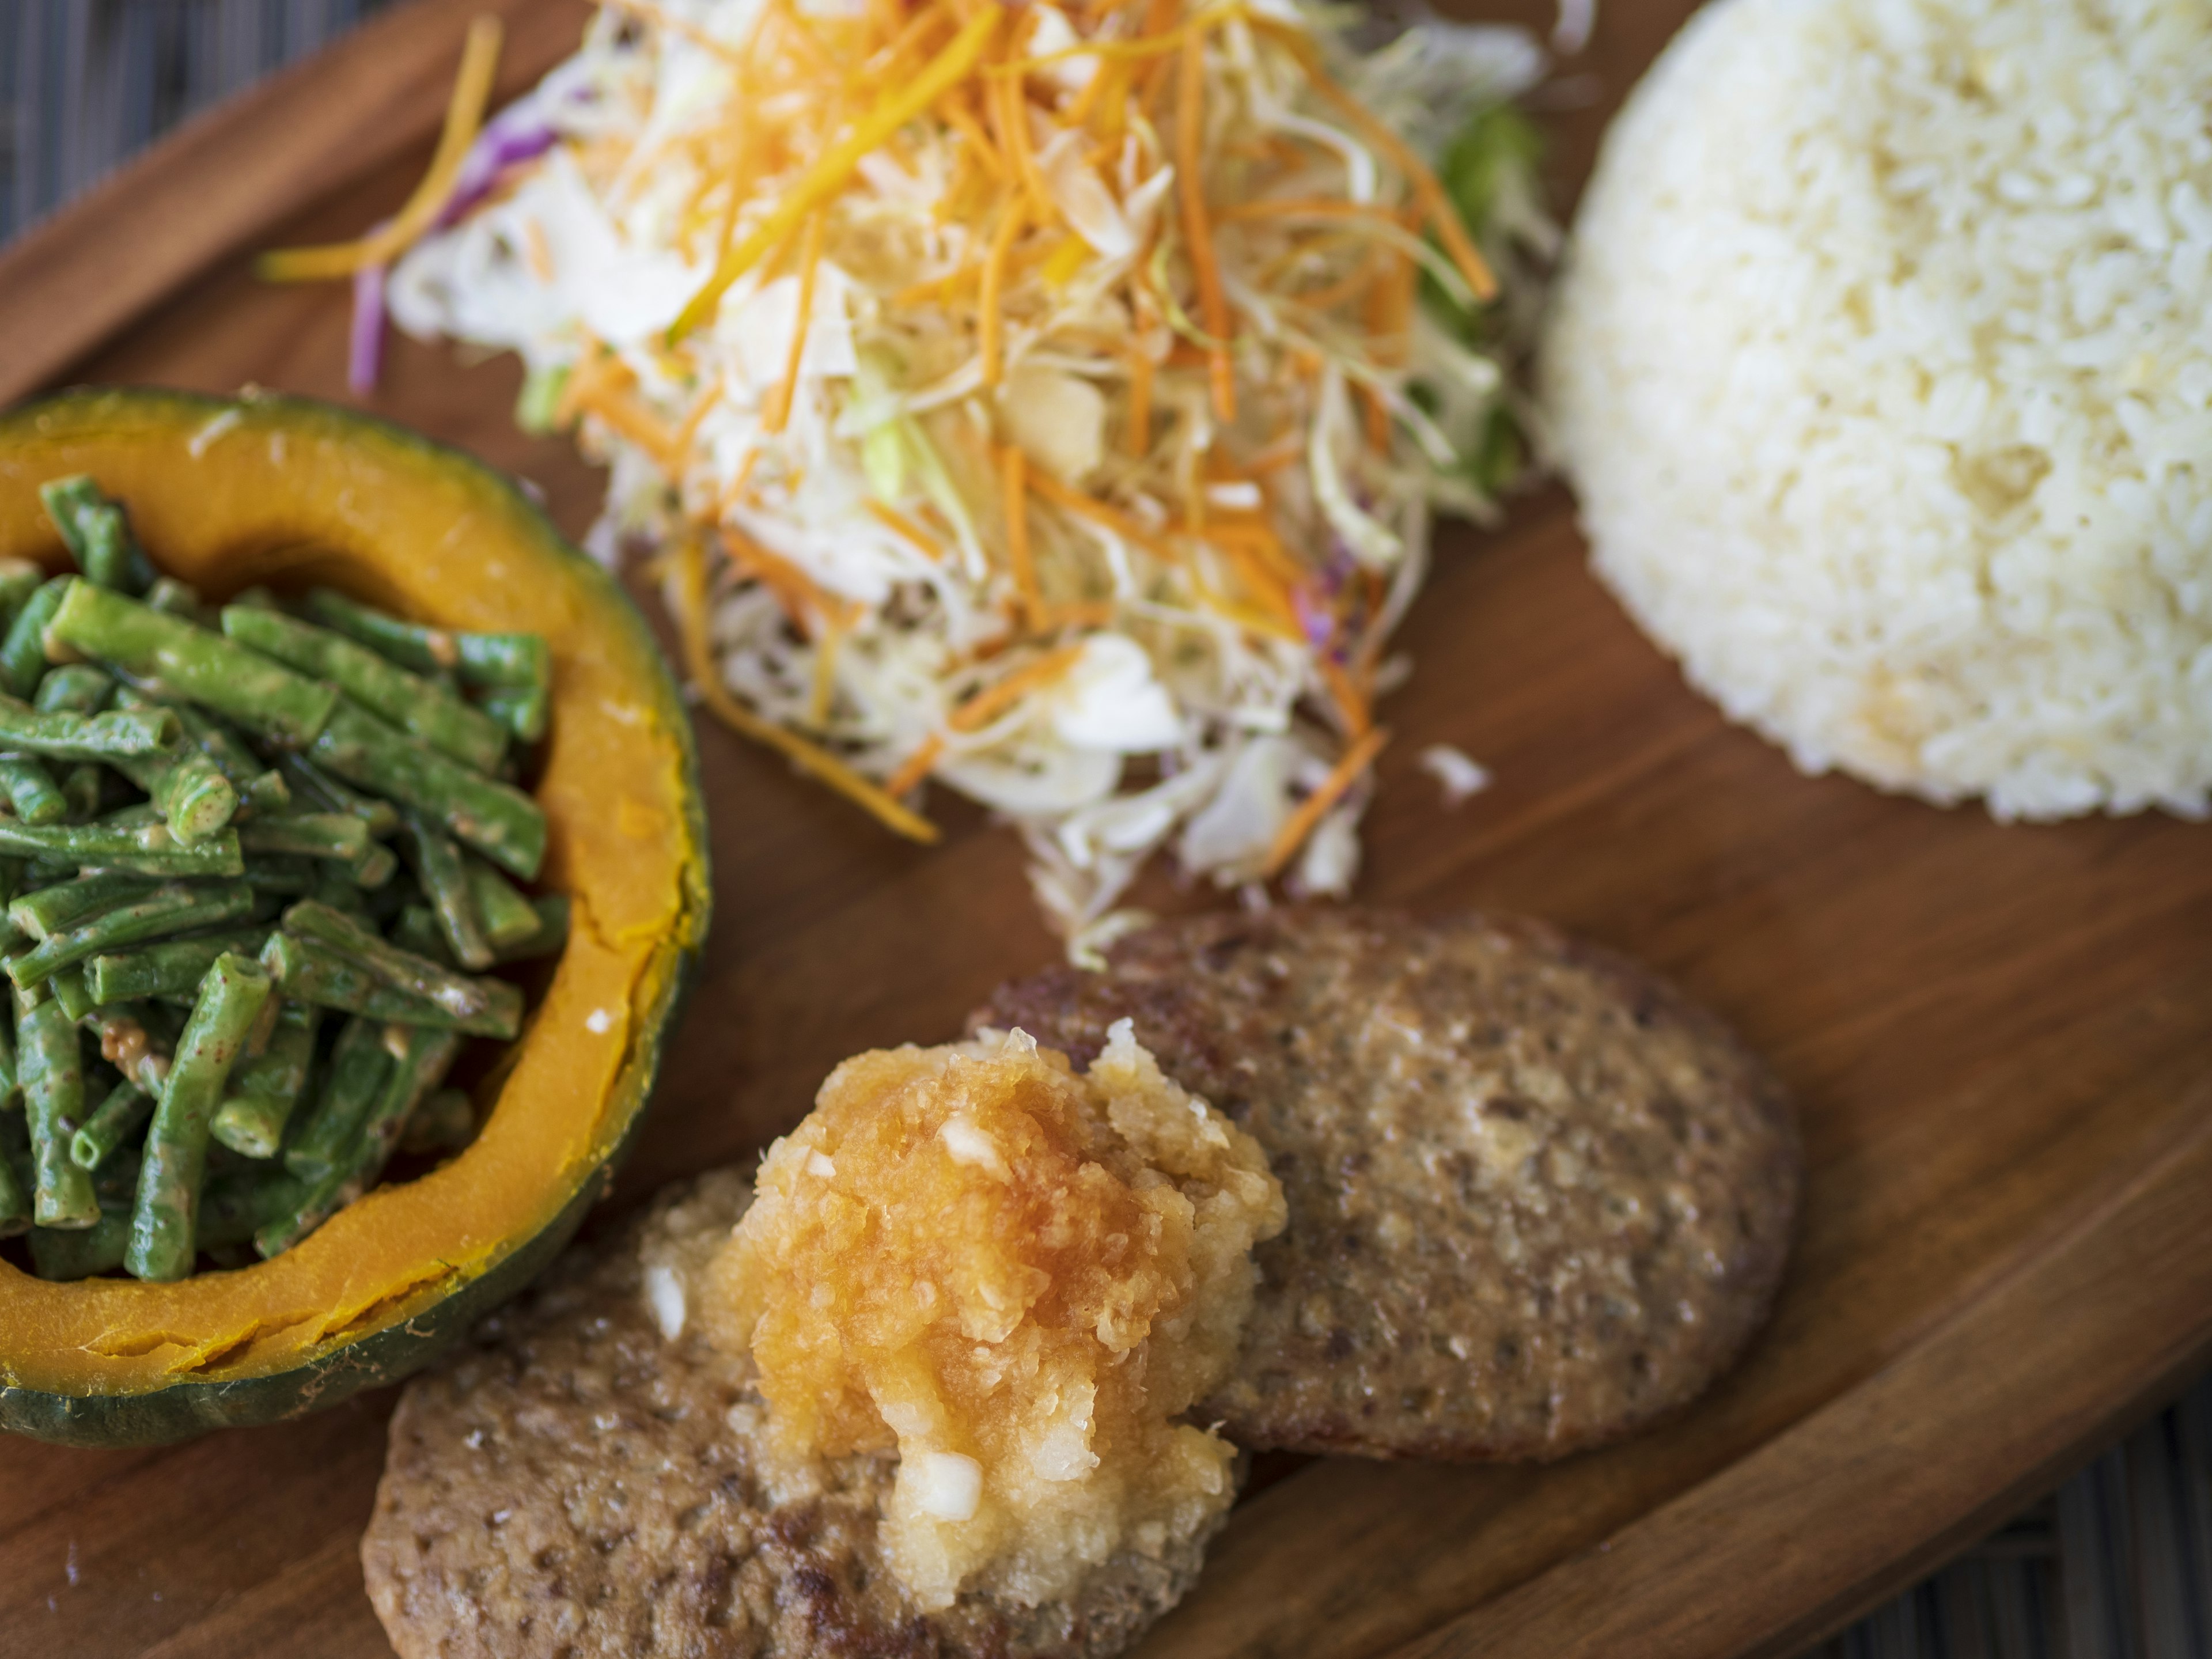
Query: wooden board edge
x=221 y=179
x=1739 y=1571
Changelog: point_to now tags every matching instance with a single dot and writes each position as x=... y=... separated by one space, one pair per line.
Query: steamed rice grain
x=1882 y=365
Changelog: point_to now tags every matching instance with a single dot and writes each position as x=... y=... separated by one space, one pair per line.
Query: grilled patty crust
x=573 y=1482
x=1537 y=1198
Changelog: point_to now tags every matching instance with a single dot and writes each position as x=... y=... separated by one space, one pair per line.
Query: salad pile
x=1047 y=402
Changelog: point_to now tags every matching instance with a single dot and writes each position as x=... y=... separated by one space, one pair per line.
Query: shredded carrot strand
x=1306 y=207
x=687 y=434
x=1137 y=435
x=818 y=762
x=953 y=110
x=1012 y=114
x=994 y=700
x=1300 y=823
x=989 y=322
x=801 y=597
x=1088 y=507
x=463 y=119
x=1436 y=205
x=837 y=165
x=1350 y=703
x=777 y=415
x=916 y=767
x=810 y=45
x=899 y=524
x=1013 y=483
x=1213 y=304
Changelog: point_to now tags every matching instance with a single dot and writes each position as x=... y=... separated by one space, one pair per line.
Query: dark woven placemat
x=2117 y=1565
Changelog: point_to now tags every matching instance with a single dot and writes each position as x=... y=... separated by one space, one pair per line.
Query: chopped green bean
x=310 y=971
x=164 y=1223
x=374 y=867
x=19 y=579
x=523 y=714
x=417 y=1070
x=67 y=988
x=193 y=662
x=189 y=790
x=23 y=651
x=49 y=911
x=268 y=873
x=514 y=661
x=416 y=929
x=445 y=881
x=321 y=792
x=85 y=1253
x=351 y=1079
x=421 y=707
x=173 y=968
x=261 y=788
x=507 y=918
x=74 y=688
x=177 y=598
x=458 y=995
x=123 y=840
x=50 y=1059
x=114 y=1122
x=31 y=790
x=97 y=533
x=173 y=907
x=496 y=819
x=84 y=787
x=264 y=1089
x=118 y=734
x=339 y=836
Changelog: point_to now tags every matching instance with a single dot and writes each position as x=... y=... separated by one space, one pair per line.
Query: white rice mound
x=1882 y=365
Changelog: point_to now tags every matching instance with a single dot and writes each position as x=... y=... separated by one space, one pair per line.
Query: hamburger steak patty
x=1537 y=1198
x=572 y=1484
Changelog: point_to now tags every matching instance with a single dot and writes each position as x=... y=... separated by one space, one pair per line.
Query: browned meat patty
x=573 y=1484
x=1537 y=1198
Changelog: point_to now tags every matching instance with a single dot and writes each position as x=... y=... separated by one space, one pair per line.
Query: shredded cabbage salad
x=1047 y=404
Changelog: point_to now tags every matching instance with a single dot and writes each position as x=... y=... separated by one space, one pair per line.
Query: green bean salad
x=258 y=860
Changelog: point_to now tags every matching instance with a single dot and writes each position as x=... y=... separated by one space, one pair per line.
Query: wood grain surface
x=2001 y=1038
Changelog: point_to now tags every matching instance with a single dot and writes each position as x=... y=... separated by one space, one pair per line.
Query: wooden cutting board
x=2002 y=1037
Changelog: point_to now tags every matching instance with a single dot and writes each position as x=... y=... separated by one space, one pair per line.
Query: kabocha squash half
x=290 y=492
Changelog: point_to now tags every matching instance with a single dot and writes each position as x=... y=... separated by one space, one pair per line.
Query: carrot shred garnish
x=802 y=598
x=1436 y=205
x=463 y=119
x=818 y=763
x=1213 y=304
x=994 y=699
x=953 y=110
x=686 y=435
x=1304 y=207
x=1300 y=823
x=989 y=323
x=777 y=415
x=916 y=767
x=1010 y=112
x=1088 y=507
x=1013 y=483
x=837 y=165
x=1350 y=703
x=1137 y=435
x=905 y=528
